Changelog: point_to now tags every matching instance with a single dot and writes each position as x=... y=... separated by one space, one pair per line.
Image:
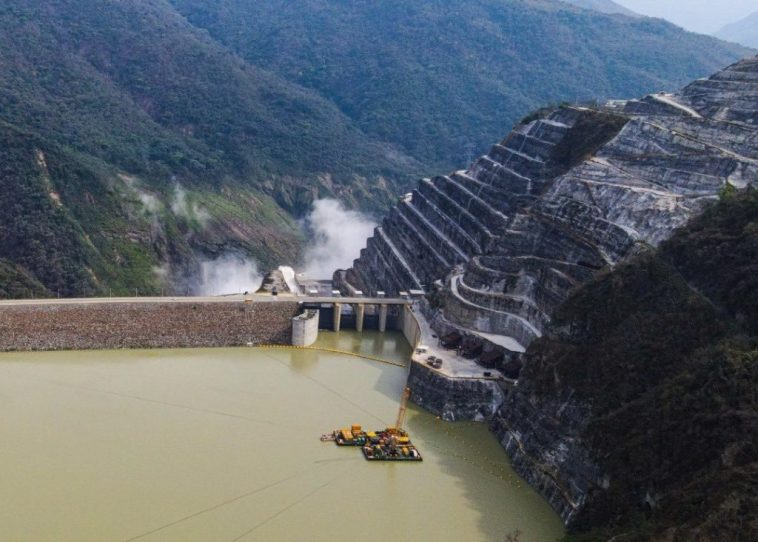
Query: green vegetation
x=133 y=84
x=39 y=241
x=126 y=102
x=718 y=252
x=444 y=79
x=665 y=351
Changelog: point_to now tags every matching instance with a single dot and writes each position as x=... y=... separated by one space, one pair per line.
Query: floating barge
x=390 y=444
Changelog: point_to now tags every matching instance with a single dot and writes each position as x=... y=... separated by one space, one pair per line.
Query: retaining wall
x=454 y=399
x=145 y=325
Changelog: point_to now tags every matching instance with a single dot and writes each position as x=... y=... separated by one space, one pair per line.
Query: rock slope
x=141 y=140
x=637 y=412
x=565 y=195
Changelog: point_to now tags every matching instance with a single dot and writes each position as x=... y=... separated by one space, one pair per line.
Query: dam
x=222 y=444
x=182 y=322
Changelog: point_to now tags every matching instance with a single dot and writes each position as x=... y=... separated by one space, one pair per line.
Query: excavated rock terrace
x=501 y=245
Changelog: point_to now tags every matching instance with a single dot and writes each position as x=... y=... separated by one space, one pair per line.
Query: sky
x=704 y=16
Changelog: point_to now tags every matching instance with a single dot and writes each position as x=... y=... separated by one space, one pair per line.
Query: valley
x=554 y=202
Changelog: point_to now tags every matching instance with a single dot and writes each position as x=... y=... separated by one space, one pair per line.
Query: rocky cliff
x=567 y=194
x=553 y=240
x=637 y=412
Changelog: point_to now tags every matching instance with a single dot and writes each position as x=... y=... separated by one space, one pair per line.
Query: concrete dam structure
x=89 y=324
x=183 y=322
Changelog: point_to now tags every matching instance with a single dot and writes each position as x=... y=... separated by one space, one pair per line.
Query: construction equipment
x=392 y=444
x=398 y=428
x=386 y=446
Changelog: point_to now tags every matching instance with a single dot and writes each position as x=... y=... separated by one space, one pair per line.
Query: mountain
x=572 y=190
x=143 y=138
x=744 y=31
x=603 y=6
x=441 y=79
x=138 y=142
x=616 y=246
x=668 y=418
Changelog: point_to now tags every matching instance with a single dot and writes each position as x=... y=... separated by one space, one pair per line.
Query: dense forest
x=444 y=79
x=130 y=105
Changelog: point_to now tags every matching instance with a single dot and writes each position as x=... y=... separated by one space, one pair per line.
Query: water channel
x=223 y=445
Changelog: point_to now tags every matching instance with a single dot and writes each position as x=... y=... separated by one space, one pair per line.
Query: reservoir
x=223 y=444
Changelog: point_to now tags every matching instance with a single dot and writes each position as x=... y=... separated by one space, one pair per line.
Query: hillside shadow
x=469 y=453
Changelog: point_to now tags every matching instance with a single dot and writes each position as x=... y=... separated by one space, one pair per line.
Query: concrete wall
x=145 y=325
x=409 y=326
x=454 y=399
x=305 y=328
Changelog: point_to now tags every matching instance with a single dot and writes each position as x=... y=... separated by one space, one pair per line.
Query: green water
x=223 y=445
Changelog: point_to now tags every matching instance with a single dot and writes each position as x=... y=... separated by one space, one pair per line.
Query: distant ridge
x=744 y=31
x=441 y=79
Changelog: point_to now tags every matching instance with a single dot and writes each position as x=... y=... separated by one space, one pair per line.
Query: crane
x=398 y=428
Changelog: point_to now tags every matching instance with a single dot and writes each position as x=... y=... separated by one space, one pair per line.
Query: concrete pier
x=382 y=318
x=337 y=317
x=360 y=312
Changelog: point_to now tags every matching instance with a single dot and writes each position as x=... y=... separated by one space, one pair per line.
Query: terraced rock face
x=561 y=198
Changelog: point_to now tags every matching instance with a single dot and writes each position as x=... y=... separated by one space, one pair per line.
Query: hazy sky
x=705 y=16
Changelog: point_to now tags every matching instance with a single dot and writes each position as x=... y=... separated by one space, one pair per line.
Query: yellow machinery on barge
x=390 y=444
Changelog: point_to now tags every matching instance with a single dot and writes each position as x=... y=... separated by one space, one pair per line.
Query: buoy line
x=332 y=351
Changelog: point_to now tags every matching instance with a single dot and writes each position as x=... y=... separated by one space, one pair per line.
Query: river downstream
x=223 y=445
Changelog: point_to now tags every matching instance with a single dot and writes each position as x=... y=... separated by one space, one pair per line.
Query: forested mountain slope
x=604 y=6
x=444 y=78
x=132 y=109
x=653 y=369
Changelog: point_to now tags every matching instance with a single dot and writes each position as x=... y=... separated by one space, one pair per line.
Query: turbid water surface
x=222 y=445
